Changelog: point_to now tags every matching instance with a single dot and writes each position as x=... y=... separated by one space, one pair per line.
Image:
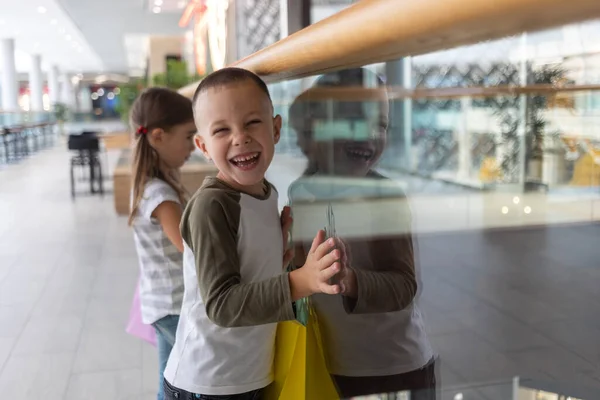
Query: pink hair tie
x=142 y=130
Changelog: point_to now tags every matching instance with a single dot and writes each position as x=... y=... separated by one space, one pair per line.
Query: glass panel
x=468 y=220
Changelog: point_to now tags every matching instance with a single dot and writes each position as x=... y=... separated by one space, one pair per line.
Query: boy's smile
x=246 y=161
x=238 y=133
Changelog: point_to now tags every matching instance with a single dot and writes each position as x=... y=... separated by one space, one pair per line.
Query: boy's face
x=237 y=131
x=349 y=141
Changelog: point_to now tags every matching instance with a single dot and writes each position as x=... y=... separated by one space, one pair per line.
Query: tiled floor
x=67 y=275
x=498 y=304
x=516 y=302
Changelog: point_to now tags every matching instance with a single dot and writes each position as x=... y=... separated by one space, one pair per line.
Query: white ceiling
x=166 y=6
x=106 y=25
x=87 y=36
x=42 y=27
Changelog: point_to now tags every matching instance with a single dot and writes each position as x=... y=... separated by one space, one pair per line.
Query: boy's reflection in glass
x=373 y=336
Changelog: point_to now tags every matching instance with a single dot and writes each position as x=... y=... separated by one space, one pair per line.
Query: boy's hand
x=346 y=279
x=322 y=264
x=341 y=278
x=286 y=225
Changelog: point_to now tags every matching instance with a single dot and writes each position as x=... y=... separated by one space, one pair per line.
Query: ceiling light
x=42 y=10
x=94 y=96
x=100 y=92
x=158 y=2
x=516 y=200
x=110 y=95
x=527 y=210
x=117 y=91
x=504 y=210
x=156 y=10
x=54 y=22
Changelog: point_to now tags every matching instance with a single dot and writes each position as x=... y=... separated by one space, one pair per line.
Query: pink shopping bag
x=135 y=325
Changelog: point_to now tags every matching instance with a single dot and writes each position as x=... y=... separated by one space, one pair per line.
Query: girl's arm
x=168 y=214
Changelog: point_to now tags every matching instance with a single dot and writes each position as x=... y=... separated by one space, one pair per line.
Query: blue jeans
x=172 y=393
x=166 y=328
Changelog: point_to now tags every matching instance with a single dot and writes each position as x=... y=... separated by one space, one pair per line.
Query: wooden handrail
x=344 y=94
x=374 y=31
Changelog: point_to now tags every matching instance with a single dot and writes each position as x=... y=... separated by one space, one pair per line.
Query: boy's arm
x=391 y=288
x=209 y=228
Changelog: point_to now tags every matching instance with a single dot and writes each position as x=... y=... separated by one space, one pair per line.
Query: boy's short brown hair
x=228 y=76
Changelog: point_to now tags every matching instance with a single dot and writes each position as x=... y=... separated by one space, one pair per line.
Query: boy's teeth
x=360 y=153
x=245 y=158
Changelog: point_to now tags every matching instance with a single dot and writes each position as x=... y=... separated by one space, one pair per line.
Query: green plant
x=128 y=93
x=176 y=76
x=536 y=104
x=509 y=142
x=61 y=111
x=507 y=111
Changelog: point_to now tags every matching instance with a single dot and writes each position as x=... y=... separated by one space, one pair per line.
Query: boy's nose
x=242 y=138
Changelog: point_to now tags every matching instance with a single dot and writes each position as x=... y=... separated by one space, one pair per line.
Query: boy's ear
x=201 y=145
x=277 y=128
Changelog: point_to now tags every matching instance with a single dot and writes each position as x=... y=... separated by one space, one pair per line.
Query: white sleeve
x=156 y=192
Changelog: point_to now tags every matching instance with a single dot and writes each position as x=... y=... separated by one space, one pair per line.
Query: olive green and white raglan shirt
x=235 y=292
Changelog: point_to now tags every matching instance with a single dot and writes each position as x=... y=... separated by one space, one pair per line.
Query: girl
x=164 y=128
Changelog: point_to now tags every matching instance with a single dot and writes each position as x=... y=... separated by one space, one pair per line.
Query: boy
x=235 y=290
x=373 y=334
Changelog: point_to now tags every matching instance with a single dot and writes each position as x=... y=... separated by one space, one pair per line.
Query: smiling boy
x=235 y=288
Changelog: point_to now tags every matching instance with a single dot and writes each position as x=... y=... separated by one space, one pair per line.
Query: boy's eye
x=254 y=121
x=382 y=126
x=220 y=130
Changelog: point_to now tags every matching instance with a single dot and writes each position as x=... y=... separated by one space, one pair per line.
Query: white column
x=294 y=15
x=464 y=140
x=67 y=94
x=53 y=85
x=523 y=113
x=9 y=83
x=36 y=84
x=85 y=101
x=399 y=73
x=407 y=106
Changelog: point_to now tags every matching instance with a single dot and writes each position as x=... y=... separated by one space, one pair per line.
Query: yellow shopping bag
x=299 y=365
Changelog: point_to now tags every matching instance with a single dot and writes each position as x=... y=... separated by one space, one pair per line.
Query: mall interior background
x=503 y=185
